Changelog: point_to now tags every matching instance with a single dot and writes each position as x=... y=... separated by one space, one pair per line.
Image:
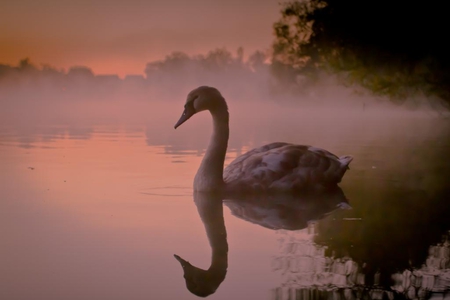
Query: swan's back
x=285 y=167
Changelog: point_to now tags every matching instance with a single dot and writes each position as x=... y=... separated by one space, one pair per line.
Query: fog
x=29 y=93
x=44 y=104
x=88 y=151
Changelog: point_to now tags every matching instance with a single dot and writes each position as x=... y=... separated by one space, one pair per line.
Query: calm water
x=95 y=207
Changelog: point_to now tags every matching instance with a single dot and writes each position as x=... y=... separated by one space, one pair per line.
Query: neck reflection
x=290 y=212
x=205 y=282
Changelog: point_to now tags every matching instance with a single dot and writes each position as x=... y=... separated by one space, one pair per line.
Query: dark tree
x=173 y=62
x=393 y=48
x=81 y=72
x=25 y=65
x=5 y=70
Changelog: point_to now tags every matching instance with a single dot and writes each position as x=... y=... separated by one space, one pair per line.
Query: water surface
x=95 y=207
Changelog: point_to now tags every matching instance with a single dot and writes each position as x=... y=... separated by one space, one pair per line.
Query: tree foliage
x=218 y=61
x=218 y=67
x=393 y=48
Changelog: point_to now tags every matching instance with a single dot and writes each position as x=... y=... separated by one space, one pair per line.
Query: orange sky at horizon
x=118 y=37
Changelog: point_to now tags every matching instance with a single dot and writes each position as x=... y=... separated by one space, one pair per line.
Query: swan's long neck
x=210 y=173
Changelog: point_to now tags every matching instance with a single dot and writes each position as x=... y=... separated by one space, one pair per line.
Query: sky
x=120 y=37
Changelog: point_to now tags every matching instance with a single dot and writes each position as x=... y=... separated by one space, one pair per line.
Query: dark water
x=96 y=207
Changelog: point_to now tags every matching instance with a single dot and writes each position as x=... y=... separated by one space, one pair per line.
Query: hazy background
x=259 y=50
x=96 y=185
x=120 y=37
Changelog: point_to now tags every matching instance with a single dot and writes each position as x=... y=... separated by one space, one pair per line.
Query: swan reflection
x=308 y=270
x=271 y=211
x=205 y=282
x=286 y=211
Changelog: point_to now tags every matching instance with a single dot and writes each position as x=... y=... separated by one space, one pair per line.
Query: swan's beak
x=187 y=113
x=183 y=262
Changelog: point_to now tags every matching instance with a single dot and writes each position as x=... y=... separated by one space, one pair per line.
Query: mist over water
x=50 y=91
x=31 y=97
x=96 y=187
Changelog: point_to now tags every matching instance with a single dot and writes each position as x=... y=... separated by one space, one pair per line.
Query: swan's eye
x=191 y=101
x=189 y=107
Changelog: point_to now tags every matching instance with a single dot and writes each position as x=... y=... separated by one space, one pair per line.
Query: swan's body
x=279 y=167
x=285 y=167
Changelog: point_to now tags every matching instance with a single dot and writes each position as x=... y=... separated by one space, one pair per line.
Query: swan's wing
x=247 y=161
x=282 y=166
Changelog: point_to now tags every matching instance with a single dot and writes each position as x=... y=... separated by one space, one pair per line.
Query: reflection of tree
x=308 y=273
x=396 y=224
x=29 y=135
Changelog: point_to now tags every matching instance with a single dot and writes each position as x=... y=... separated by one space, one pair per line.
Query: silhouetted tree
x=25 y=65
x=240 y=54
x=172 y=62
x=257 y=60
x=393 y=48
x=81 y=72
x=50 y=70
x=5 y=70
x=218 y=59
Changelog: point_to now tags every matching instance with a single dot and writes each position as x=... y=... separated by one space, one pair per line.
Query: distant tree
x=218 y=59
x=25 y=65
x=81 y=72
x=5 y=70
x=218 y=67
x=79 y=80
x=393 y=48
x=47 y=68
x=240 y=55
x=172 y=62
x=257 y=60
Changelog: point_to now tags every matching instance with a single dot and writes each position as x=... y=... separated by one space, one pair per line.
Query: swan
x=274 y=211
x=275 y=167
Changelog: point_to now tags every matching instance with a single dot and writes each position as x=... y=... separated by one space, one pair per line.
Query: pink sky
x=122 y=36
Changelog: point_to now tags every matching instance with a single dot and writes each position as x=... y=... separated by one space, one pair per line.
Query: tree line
x=394 y=48
x=217 y=67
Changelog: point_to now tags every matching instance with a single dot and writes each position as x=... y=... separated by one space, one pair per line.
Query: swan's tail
x=345 y=161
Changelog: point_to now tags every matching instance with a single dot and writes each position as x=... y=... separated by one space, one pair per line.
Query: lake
x=95 y=204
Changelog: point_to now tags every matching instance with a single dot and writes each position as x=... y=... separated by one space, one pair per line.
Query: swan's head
x=202 y=98
x=201 y=282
